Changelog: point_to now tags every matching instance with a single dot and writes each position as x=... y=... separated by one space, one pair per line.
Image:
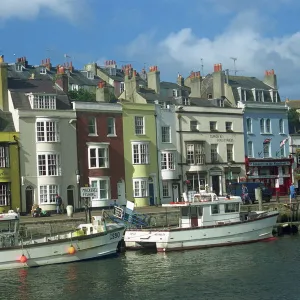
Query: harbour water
x=266 y=270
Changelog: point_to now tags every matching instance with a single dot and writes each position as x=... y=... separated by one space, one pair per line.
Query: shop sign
x=268 y=176
x=269 y=163
x=221 y=139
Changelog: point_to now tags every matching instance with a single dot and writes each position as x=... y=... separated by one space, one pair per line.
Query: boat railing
x=205 y=197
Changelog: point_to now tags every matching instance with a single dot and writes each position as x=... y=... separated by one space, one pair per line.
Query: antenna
x=234 y=65
x=202 y=67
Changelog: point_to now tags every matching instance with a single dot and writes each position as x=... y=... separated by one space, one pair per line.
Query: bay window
x=47 y=193
x=47 y=131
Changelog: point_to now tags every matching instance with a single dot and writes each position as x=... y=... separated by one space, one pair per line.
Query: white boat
x=207 y=221
x=88 y=241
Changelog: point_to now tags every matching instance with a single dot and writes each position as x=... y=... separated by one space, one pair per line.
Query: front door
x=29 y=199
x=70 y=195
x=175 y=188
x=151 y=193
x=216 y=184
x=121 y=193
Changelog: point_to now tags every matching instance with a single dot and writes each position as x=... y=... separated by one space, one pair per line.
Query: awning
x=232 y=169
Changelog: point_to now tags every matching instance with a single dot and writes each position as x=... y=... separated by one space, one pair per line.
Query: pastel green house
x=140 y=153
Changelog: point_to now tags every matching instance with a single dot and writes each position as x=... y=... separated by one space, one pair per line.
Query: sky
x=178 y=36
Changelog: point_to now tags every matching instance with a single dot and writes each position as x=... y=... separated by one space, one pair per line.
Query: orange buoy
x=23 y=259
x=71 y=250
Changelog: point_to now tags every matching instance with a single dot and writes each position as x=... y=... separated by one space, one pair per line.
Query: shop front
x=276 y=174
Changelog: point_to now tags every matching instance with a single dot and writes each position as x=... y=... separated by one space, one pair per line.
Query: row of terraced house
x=143 y=139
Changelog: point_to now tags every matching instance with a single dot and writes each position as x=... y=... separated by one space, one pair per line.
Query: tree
x=293 y=118
x=82 y=95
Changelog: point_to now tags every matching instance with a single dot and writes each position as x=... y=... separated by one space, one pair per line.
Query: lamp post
x=77 y=172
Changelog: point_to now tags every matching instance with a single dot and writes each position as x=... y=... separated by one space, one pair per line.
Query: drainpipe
x=180 y=142
x=20 y=177
x=158 y=160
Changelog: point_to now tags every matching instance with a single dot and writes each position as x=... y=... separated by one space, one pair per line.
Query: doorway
x=70 y=195
x=151 y=193
x=29 y=199
x=215 y=182
x=175 y=190
x=121 y=192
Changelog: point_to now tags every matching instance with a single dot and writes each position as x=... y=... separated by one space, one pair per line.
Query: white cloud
x=244 y=39
x=30 y=9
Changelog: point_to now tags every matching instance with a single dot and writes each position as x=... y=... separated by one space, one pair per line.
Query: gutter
x=158 y=161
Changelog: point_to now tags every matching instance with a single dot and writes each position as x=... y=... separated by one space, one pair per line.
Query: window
x=74 y=87
x=193 y=125
x=186 y=101
x=98 y=157
x=213 y=125
x=165 y=189
x=262 y=125
x=140 y=153
x=268 y=126
x=43 y=70
x=43 y=102
x=112 y=71
x=282 y=151
x=4 y=194
x=103 y=186
x=139 y=125
x=4 y=156
x=89 y=75
x=195 y=154
x=140 y=188
x=229 y=148
x=214 y=209
x=214 y=152
x=122 y=87
x=249 y=125
x=111 y=129
x=209 y=96
x=232 y=207
x=19 y=68
x=175 y=93
x=166 y=134
x=267 y=148
x=250 y=149
x=48 y=164
x=281 y=126
x=47 y=131
x=47 y=193
x=228 y=126
x=92 y=126
x=168 y=161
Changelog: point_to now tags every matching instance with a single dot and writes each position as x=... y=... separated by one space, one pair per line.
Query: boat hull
x=202 y=237
x=56 y=252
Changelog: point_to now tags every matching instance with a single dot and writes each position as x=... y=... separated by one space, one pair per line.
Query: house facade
x=211 y=143
x=168 y=175
x=140 y=153
x=43 y=116
x=101 y=151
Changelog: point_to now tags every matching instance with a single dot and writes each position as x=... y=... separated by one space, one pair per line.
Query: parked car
x=236 y=190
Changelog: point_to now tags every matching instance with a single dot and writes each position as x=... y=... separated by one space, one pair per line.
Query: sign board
x=88 y=192
x=269 y=163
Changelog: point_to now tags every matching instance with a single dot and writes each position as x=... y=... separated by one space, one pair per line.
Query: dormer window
x=175 y=93
x=89 y=75
x=122 y=87
x=42 y=101
x=186 y=101
x=74 y=87
x=19 y=68
x=209 y=96
x=43 y=70
x=112 y=71
x=220 y=102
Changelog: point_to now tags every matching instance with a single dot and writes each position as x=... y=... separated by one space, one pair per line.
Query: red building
x=276 y=174
x=100 y=150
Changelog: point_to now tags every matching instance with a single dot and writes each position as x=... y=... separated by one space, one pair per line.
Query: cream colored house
x=211 y=141
x=48 y=151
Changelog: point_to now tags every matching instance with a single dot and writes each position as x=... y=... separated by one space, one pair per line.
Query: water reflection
x=23 y=284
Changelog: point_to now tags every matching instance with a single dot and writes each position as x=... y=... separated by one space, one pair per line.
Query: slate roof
x=20 y=87
x=201 y=102
x=150 y=95
x=119 y=74
x=173 y=86
x=293 y=104
x=6 y=122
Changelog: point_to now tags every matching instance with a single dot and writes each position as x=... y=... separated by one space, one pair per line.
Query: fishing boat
x=206 y=221
x=92 y=240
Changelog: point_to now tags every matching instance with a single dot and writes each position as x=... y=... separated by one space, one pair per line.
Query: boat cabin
x=208 y=210
x=9 y=229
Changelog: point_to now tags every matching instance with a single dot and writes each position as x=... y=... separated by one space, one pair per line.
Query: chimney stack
x=62 y=79
x=270 y=79
x=102 y=92
x=3 y=85
x=154 y=79
x=218 y=82
x=47 y=64
x=180 y=80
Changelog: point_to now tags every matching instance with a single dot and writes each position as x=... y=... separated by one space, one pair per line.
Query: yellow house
x=9 y=150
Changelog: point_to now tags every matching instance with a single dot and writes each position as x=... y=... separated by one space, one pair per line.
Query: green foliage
x=82 y=95
x=293 y=116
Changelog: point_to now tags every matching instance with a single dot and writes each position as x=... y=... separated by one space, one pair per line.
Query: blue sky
x=173 y=34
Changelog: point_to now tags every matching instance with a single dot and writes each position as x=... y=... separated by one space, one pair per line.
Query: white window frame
x=89 y=75
x=42 y=101
x=142 y=156
x=94 y=126
x=250 y=147
x=268 y=126
x=281 y=126
x=4 y=194
x=111 y=126
x=166 y=189
x=194 y=125
x=49 y=197
x=269 y=150
x=4 y=156
x=47 y=131
x=210 y=125
x=139 y=125
x=216 y=153
x=19 y=67
x=228 y=146
x=282 y=151
x=166 y=134
x=175 y=93
x=97 y=147
x=75 y=87
x=140 y=187
x=196 y=155
x=168 y=161
x=122 y=87
x=249 y=125
x=43 y=70
x=48 y=168
x=99 y=179
x=262 y=126
x=230 y=126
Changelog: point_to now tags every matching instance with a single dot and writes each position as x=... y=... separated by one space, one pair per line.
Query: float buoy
x=71 y=250
x=23 y=259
